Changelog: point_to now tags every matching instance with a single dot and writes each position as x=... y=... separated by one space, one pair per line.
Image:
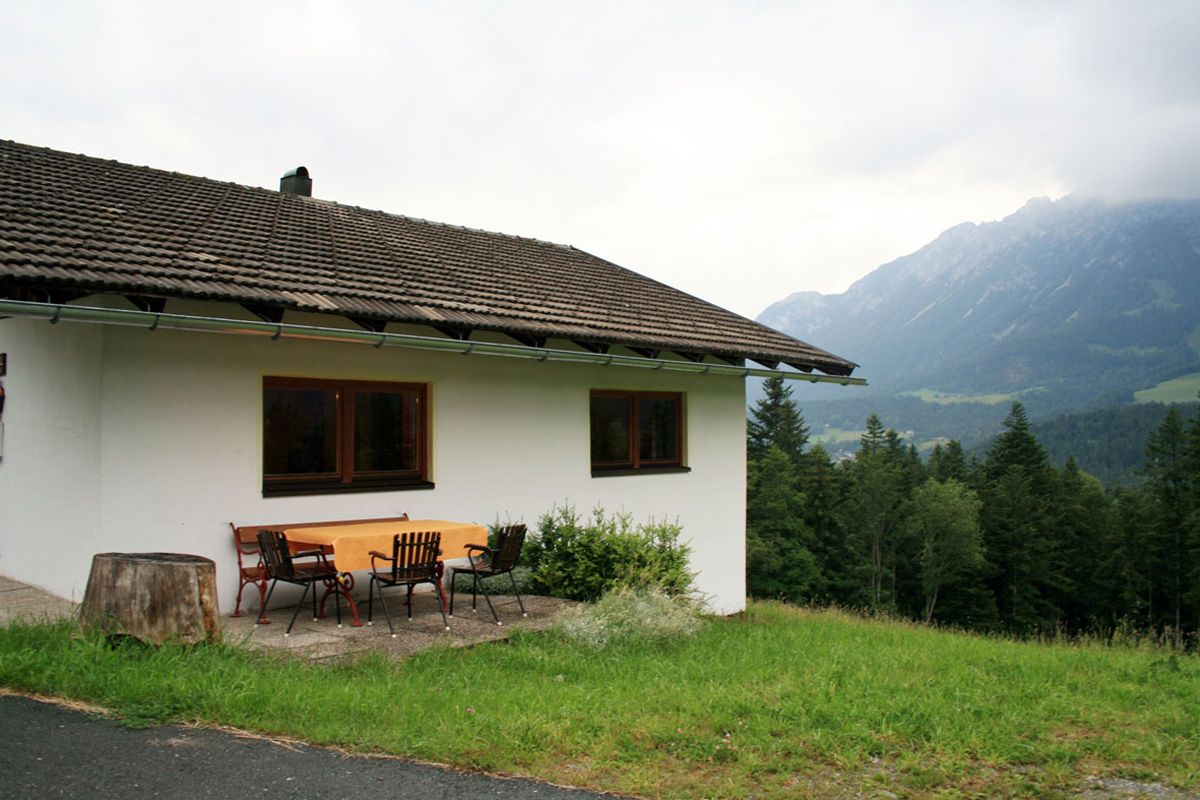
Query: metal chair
x=415 y=559
x=488 y=562
x=281 y=565
x=246 y=545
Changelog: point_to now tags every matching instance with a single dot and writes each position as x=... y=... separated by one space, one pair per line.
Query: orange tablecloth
x=352 y=544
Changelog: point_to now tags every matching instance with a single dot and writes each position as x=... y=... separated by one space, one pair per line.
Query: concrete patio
x=323 y=639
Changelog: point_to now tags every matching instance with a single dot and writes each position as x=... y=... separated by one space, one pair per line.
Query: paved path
x=19 y=601
x=50 y=751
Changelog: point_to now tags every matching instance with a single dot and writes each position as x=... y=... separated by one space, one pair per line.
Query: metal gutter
x=60 y=312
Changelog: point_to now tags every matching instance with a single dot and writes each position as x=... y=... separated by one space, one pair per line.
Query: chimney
x=296 y=182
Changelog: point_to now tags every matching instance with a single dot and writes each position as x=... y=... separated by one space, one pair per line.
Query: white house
x=179 y=353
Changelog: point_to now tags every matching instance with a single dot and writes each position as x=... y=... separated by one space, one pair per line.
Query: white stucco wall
x=125 y=440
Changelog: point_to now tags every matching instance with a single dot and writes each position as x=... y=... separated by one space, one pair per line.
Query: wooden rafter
x=264 y=312
x=461 y=334
x=154 y=305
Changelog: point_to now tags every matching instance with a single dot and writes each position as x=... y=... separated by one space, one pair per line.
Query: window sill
x=290 y=490
x=612 y=473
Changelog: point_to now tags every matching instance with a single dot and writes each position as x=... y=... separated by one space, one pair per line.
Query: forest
x=1002 y=541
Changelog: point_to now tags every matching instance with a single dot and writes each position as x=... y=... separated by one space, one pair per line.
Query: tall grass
x=777 y=702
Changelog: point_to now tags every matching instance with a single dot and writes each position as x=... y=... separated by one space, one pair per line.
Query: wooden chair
x=488 y=562
x=415 y=559
x=245 y=542
x=281 y=565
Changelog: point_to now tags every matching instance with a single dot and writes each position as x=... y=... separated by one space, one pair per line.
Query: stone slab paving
x=20 y=601
x=323 y=638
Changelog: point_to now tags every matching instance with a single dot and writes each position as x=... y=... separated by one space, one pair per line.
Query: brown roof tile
x=77 y=223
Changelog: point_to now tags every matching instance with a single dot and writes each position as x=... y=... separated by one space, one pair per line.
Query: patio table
x=352 y=543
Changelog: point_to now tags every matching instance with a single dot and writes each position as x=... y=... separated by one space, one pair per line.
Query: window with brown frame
x=337 y=436
x=636 y=431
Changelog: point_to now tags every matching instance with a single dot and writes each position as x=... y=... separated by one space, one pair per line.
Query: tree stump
x=154 y=597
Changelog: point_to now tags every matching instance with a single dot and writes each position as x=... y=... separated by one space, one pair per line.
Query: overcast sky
x=739 y=151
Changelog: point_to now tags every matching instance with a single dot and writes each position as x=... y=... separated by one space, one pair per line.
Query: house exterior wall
x=121 y=439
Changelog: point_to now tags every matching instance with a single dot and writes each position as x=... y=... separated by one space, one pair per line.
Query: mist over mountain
x=1067 y=305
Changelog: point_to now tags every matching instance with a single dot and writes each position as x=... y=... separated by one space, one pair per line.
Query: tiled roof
x=73 y=223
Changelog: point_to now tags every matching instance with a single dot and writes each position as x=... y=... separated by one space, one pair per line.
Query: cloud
x=740 y=151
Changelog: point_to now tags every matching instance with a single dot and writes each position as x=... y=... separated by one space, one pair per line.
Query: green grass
x=778 y=702
x=949 y=398
x=837 y=436
x=1183 y=389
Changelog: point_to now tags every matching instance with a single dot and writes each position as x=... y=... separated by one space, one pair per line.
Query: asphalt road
x=47 y=751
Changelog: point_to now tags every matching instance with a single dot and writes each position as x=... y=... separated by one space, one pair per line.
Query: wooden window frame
x=344 y=478
x=636 y=465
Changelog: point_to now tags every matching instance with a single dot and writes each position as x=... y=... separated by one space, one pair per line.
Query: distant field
x=836 y=436
x=1177 y=390
x=947 y=398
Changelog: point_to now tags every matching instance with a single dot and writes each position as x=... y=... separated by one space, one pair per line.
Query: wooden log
x=155 y=597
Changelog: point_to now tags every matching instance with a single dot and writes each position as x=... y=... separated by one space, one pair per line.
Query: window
x=330 y=436
x=636 y=431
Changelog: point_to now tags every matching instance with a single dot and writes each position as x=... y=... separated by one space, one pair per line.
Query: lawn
x=949 y=398
x=777 y=702
x=1177 y=390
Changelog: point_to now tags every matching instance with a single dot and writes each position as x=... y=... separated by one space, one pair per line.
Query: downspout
x=60 y=312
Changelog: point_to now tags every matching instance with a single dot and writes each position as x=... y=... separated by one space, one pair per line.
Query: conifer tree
x=1168 y=481
x=779 y=546
x=1018 y=530
x=1081 y=516
x=871 y=516
x=775 y=420
x=822 y=484
x=874 y=438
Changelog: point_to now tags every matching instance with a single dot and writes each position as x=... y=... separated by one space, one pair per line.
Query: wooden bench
x=245 y=541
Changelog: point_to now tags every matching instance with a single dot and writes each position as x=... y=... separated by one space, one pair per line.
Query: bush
x=583 y=560
x=628 y=614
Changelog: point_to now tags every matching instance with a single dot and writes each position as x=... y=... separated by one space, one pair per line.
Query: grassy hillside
x=1183 y=389
x=778 y=702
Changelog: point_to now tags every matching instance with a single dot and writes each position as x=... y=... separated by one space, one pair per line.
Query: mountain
x=1067 y=304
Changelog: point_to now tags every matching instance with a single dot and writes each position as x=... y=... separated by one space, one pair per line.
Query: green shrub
x=626 y=614
x=581 y=560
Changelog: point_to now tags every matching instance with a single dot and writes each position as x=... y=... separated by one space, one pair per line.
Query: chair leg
x=299 y=606
x=408 y=601
x=237 y=605
x=337 y=598
x=474 y=590
x=261 y=585
x=314 y=602
x=487 y=597
x=453 y=580
x=518 y=594
x=382 y=602
x=441 y=593
x=370 y=599
x=262 y=614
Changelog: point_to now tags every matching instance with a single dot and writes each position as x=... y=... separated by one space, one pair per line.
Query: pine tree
x=1081 y=517
x=775 y=420
x=871 y=517
x=1168 y=480
x=779 y=546
x=823 y=486
x=874 y=438
x=947 y=462
x=1018 y=530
